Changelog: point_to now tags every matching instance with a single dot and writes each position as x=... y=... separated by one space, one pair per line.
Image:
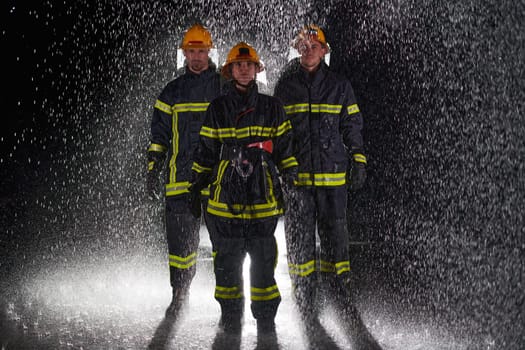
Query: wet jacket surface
x=177 y=118
x=233 y=121
x=326 y=121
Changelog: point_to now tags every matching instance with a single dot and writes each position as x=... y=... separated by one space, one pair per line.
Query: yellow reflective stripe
x=284 y=127
x=220 y=173
x=205 y=191
x=175 y=143
x=164 y=107
x=249 y=131
x=302 y=269
x=289 y=162
x=328 y=179
x=339 y=268
x=360 y=158
x=352 y=109
x=343 y=266
x=199 y=168
x=253 y=211
x=326 y=108
x=296 y=108
x=155 y=147
x=314 y=108
x=259 y=294
x=175 y=188
x=190 y=107
x=183 y=263
x=228 y=292
x=151 y=165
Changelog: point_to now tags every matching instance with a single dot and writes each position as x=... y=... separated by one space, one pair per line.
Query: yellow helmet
x=310 y=32
x=242 y=52
x=197 y=36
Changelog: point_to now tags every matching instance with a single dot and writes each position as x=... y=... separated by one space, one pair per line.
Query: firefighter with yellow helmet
x=328 y=144
x=177 y=118
x=245 y=143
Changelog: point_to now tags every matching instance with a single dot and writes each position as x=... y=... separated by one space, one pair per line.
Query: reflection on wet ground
x=120 y=305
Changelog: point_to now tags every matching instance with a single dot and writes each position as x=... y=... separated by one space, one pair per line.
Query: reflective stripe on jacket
x=326 y=121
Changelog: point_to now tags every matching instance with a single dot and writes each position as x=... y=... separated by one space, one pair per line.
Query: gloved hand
x=199 y=181
x=153 y=186
x=357 y=176
x=194 y=201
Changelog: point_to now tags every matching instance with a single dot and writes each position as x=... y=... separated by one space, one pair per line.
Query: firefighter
x=328 y=144
x=244 y=143
x=177 y=118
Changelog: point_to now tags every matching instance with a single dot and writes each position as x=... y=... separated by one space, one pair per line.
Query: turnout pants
x=183 y=240
x=323 y=209
x=233 y=239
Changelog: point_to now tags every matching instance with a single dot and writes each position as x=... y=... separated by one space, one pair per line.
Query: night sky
x=441 y=86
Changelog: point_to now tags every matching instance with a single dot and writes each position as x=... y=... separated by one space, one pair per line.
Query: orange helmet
x=197 y=36
x=242 y=52
x=310 y=32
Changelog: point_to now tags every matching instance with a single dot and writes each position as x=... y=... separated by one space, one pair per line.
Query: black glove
x=357 y=176
x=194 y=202
x=199 y=181
x=153 y=186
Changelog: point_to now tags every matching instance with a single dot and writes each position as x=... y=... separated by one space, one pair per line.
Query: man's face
x=312 y=52
x=197 y=59
x=244 y=72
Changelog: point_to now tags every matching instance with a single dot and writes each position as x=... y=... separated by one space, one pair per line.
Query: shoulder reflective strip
x=353 y=109
x=326 y=108
x=191 y=107
x=302 y=269
x=289 y=162
x=228 y=292
x=328 y=179
x=255 y=211
x=199 y=168
x=284 y=127
x=183 y=263
x=177 y=188
x=164 y=107
x=360 y=158
x=155 y=147
x=297 y=108
x=258 y=294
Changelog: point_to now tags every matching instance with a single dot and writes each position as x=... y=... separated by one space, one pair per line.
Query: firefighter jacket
x=177 y=118
x=326 y=121
x=244 y=141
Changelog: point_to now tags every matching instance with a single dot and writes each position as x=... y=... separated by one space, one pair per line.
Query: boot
x=231 y=323
x=178 y=300
x=360 y=337
x=265 y=326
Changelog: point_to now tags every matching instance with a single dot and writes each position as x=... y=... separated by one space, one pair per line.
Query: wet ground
x=82 y=302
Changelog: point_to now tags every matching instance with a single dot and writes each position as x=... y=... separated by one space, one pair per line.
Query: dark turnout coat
x=326 y=121
x=244 y=141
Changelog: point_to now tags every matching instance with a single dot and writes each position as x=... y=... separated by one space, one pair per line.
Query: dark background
x=440 y=85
